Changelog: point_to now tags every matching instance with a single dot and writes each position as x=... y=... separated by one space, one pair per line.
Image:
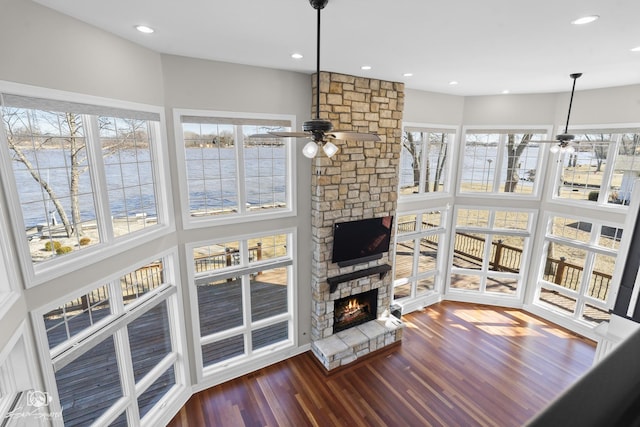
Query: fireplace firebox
x=355 y=310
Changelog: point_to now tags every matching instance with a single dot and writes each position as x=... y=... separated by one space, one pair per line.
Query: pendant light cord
x=318 y=69
x=574 y=77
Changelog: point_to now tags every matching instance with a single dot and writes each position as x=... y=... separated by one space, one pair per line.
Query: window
x=575 y=276
x=244 y=294
x=417 y=266
x=501 y=161
x=230 y=173
x=425 y=160
x=81 y=176
x=489 y=246
x=120 y=336
x=601 y=168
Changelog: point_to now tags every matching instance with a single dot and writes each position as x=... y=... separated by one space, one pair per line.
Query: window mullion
x=241 y=178
x=500 y=156
x=609 y=168
x=98 y=179
x=246 y=313
x=425 y=162
x=125 y=364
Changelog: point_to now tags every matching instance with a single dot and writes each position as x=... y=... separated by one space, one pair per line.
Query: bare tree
x=17 y=133
x=600 y=148
x=441 y=161
x=514 y=151
x=630 y=144
x=23 y=135
x=409 y=144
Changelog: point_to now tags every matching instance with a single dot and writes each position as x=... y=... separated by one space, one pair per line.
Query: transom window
x=228 y=172
x=244 y=298
x=425 y=160
x=600 y=168
x=501 y=161
x=80 y=175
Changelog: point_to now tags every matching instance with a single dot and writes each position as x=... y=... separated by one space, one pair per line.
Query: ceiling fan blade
x=290 y=134
x=354 y=136
x=281 y=135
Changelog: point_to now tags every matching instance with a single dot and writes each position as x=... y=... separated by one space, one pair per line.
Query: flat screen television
x=364 y=240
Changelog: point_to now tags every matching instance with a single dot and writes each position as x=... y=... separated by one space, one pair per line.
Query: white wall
x=432 y=108
x=44 y=48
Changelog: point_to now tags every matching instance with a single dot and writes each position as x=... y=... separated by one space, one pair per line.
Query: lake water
x=264 y=182
x=129 y=178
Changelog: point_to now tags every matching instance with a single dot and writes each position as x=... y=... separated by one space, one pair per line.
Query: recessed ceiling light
x=144 y=29
x=408 y=74
x=506 y=91
x=585 y=20
x=365 y=67
x=636 y=49
x=297 y=56
x=453 y=83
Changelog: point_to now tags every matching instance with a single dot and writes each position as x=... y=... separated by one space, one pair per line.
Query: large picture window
x=425 y=160
x=501 y=161
x=121 y=336
x=80 y=175
x=244 y=297
x=230 y=173
x=600 y=168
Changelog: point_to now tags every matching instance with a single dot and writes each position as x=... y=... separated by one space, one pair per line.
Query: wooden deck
x=458 y=365
x=90 y=384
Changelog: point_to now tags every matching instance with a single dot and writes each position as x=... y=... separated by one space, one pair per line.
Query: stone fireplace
x=359 y=182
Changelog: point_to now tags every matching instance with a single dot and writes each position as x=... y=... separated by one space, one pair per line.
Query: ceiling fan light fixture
x=310 y=150
x=329 y=149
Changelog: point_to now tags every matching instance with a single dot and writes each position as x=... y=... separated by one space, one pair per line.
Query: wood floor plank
x=459 y=364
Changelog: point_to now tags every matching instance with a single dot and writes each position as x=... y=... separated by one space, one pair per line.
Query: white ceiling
x=486 y=45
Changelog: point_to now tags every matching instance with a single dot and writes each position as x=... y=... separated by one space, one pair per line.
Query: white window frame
x=251 y=359
x=37 y=274
x=451 y=156
x=504 y=131
x=591 y=249
x=242 y=215
x=558 y=158
x=18 y=350
x=414 y=301
x=484 y=272
x=116 y=328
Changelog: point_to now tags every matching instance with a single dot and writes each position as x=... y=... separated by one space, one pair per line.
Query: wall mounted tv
x=364 y=240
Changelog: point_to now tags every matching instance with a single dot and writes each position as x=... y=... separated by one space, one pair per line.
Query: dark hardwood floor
x=459 y=365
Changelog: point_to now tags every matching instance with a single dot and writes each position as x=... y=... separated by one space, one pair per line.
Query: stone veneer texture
x=360 y=181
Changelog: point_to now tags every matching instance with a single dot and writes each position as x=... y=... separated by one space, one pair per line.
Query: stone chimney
x=360 y=181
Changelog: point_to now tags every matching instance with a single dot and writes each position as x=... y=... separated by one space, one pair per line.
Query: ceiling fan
x=565 y=138
x=320 y=131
